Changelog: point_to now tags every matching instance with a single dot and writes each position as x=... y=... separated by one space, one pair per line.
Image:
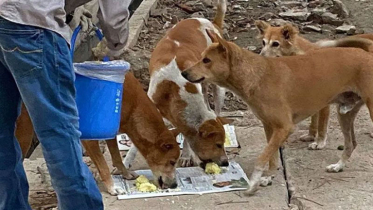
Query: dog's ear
x=212 y=35
x=289 y=31
x=224 y=120
x=223 y=45
x=262 y=27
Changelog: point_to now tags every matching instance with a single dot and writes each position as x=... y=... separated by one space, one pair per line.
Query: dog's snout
x=225 y=163
x=173 y=185
x=184 y=74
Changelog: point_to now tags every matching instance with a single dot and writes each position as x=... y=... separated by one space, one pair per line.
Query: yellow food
x=147 y=187
x=212 y=168
x=143 y=184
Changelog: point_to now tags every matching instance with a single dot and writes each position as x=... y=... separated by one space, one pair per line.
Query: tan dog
x=284 y=91
x=181 y=102
x=143 y=123
x=286 y=41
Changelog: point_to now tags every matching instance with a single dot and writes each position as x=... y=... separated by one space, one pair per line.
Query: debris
x=312 y=28
x=292 y=3
x=340 y=147
x=340 y=9
x=332 y=19
x=230 y=202
x=349 y=29
x=295 y=15
x=310 y=200
x=266 y=16
x=186 y=8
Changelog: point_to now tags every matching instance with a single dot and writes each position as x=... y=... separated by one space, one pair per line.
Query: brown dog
x=286 y=41
x=143 y=123
x=284 y=91
x=181 y=102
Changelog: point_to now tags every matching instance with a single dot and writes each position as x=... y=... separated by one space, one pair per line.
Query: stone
x=318 y=11
x=266 y=16
x=291 y=3
x=349 y=29
x=197 y=15
x=295 y=15
x=312 y=28
x=278 y=22
x=237 y=7
x=332 y=19
x=252 y=48
x=340 y=9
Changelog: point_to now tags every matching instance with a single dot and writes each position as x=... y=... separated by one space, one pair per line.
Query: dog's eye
x=173 y=163
x=219 y=146
x=275 y=44
x=264 y=43
x=206 y=60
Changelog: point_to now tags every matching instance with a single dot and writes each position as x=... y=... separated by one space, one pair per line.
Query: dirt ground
x=302 y=180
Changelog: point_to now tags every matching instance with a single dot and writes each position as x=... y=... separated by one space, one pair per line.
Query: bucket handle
x=75 y=36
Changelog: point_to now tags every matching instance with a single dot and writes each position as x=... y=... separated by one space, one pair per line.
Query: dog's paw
x=116 y=191
x=335 y=168
x=253 y=187
x=307 y=138
x=186 y=162
x=130 y=175
x=265 y=181
x=317 y=145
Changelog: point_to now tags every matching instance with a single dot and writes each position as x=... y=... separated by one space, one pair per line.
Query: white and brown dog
x=181 y=102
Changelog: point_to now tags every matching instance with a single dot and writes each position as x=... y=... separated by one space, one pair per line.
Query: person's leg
x=41 y=65
x=13 y=181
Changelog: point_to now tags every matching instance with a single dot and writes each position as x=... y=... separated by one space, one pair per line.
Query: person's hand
x=102 y=50
x=86 y=20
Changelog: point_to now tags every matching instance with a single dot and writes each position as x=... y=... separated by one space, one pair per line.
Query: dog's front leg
x=219 y=96
x=117 y=160
x=188 y=158
x=279 y=135
x=273 y=162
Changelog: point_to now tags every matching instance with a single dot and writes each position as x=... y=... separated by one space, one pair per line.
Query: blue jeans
x=36 y=67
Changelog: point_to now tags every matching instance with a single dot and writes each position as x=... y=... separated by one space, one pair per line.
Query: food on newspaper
x=143 y=184
x=212 y=168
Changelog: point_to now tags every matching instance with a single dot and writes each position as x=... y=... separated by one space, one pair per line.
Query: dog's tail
x=220 y=13
x=355 y=42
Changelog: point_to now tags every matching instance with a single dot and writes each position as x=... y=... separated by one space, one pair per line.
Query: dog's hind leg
x=219 y=96
x=312 y=132
x=117 y=161
x=94 y=152
x=322 y=131
x=347 y=125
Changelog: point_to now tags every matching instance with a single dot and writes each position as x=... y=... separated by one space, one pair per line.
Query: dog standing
x=284 y=91
x=286 y=41
x=143 y=123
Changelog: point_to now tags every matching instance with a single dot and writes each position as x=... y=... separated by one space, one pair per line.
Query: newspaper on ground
x=191 y=181
x=124 y=142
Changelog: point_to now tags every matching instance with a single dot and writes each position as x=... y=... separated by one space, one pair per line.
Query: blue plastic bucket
x=99 y=87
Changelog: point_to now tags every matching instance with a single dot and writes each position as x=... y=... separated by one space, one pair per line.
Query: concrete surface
x=317 y=189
